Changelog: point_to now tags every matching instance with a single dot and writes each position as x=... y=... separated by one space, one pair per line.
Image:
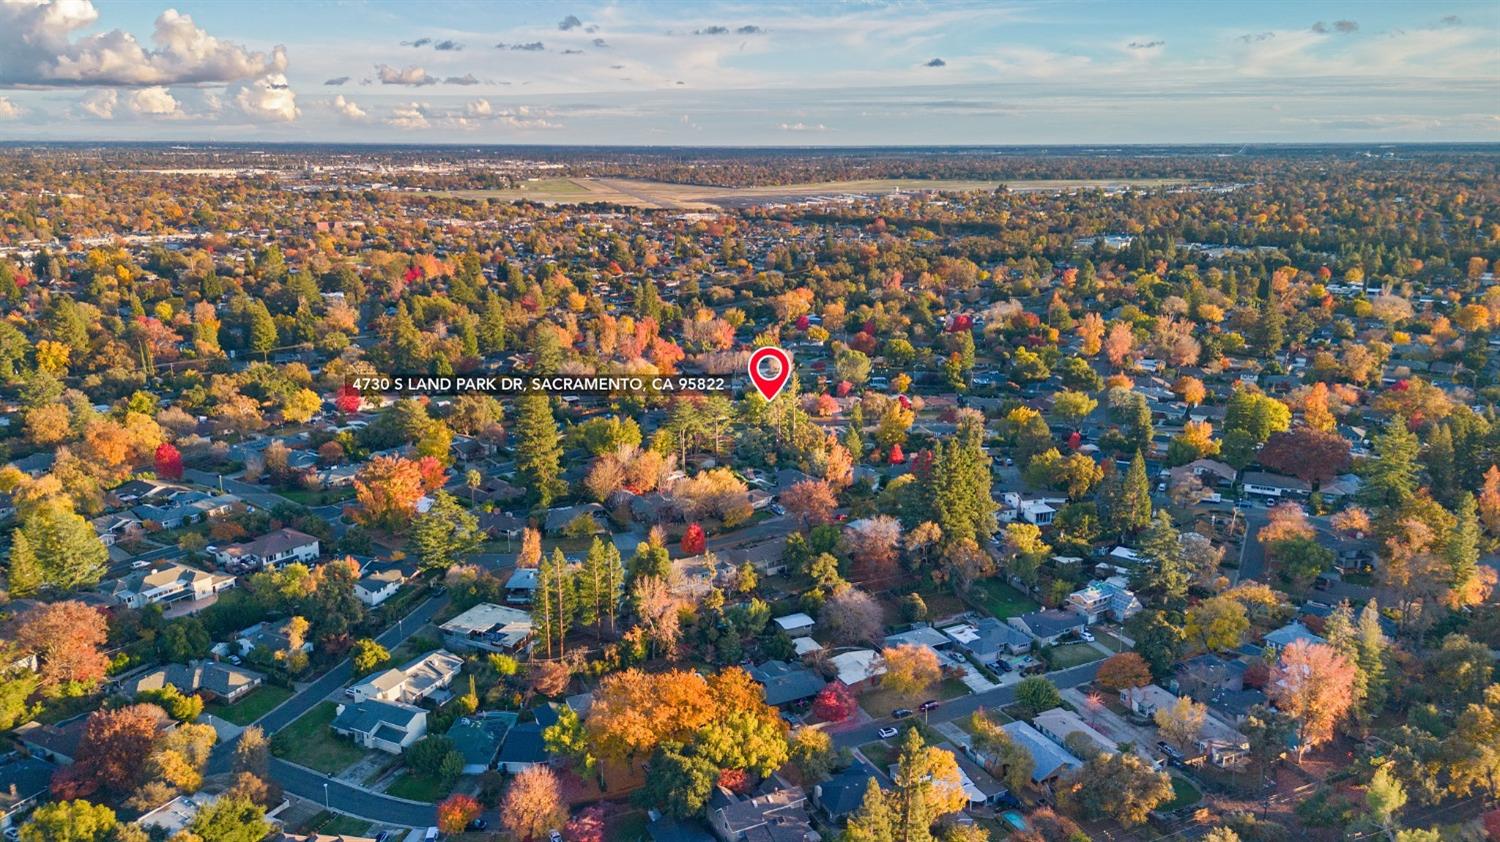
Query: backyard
x=1184 y=794
x=1072 y=655
x=310 y=742
x=258 y=703
x=1001 y=600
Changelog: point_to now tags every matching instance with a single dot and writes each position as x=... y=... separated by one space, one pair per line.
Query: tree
x=873 y=545
x=1003 y=757
x=388 y=488
x=811 y=502
x=693 y=540
x=116 y=745
x=1162 y=577
x=1126 y=669
x=70 y=821
x=1314 y=685
x=1072 y=407
x=811 y=749
x=678 y=783
x=1308 y=454
x=456 y=811
x=65 y=546
x=252 y=752
x=262 y=328
x=926 y=788
x=1157 y=640
x=445 y=534
x=66 y=636
x=852 y=616
x=555 y=604
x=538 y=448
x=168 y=461
x=1125 y=502
x=1391 y=476
x=600 y=583
x=874 y=820
x=368 y=655
x=1037 y=694
x=1119 y=786
x=910 y=670
x=15 y=694
x=1181 y=723
x=567 y=738
x=25 y=574
x=1384 y=797
x=1218 y=624
x=749 y=737
x=231 y=820
x=960 y=480
x=834 y=703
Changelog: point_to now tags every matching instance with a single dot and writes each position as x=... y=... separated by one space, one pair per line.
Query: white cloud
x=154 y=102
x=410 y=116
x=479 y=108
x=413 y=76
x=9 y=110
x=802 y=127
x=349 y=110
x=37 y=49
x=268 y=99
x=101 y=104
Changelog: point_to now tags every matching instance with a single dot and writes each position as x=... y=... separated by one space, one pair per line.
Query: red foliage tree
x=434 y=475
x=810 y=501
x=897 y=456
x=1256 y=675
x=116 y=745
x=68 y=637
x=348 y=399
x=456 y=811
x=1305 y=453
x=844 y=388
x=834 y=703
x=168 y=461
x=803 y=322
x=735 y=780
x=694 y=542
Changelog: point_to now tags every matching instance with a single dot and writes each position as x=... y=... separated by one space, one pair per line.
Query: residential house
x=838 y=797
x=376 y=587
x=1146 y=701
x=493 y=628
x=386 y=726
x=210 y=679
x=168 y=586
x=1038 y=511
x=1265 y=484
x=24 y=783
x=276 y=637
x=988 y=639
x=795 y=625
x=478 y=738
x=980 y=787
x=54 y=743
x=787 y=683
x=1058 y=723
x=520 y=588
x=1202 y=676
x=421 y=679
x=269 y=551
x=1047 y=627
x=182 y=507
x=522 y=748
x=1111 y=598
x=858 y=668
x=1049 y=760
x=176 y=815
x=925 y=636
x=1233 y=707
x=560 y=519
x=1291 y=633
x=779 y=815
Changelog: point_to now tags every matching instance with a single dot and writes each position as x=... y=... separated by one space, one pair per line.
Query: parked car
x=1170 y=751
x=1086 y=636
x=554 y=836
x=478 y=824
x=137 y=565
x=900 y=713
x=778 y=509
x=887 y=732
x=930 y=704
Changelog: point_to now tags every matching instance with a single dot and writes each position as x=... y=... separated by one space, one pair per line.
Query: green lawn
x=1000 y=599
x=310 y=742
x=881 y=754
x=259 y=703
x=625 y=827
x=417 y=788
x=333 y=824
x=1112 y=643
x=1073 y=654
x=879 y=703
x=1184 y=794
x=318 y=497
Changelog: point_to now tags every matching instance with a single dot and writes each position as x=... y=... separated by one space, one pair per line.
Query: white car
x=1085 y=636
x=887 y=732
x=554 y=836
x=137 y=565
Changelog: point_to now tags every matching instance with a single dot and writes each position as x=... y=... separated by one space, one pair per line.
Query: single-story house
x=520 y=588
x=839 y=796
x=920 y=636
x=987 y=639
x=55 y=743
x=776 y=816
x=24 y=783
x=1147 y=700
x=375 y=588
x=210 y=679
x=787 y=683
x=1291 y=633
x=1264 y=484
x=478 y=738
x=1049 y=759
x=493 y=628
x=559 y=519
x=858 y=668
x=271 y=550
x=795 y=625
x=1056 y=724
x=522 y=748
x=274 y=636
x=1047 y=627
x=387 y=726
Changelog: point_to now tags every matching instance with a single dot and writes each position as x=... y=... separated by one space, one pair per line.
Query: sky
x=751 y=73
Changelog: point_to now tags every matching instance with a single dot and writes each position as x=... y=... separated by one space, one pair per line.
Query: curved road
x=309 y=784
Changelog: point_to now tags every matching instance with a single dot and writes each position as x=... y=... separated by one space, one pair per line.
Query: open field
x=309 y=742
x=258 y=703
x=655 y=194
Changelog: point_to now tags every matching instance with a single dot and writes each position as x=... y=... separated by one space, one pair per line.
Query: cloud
x=9 y=110
x=572 y=52
x=268 y=99
x=1342 y=27
x=937 y=62
x=569 y=22
x=599 y=42
x=37 y=50
x=101 y=104
x=802 y=127
x=420 y=42
x=1146 y=45
x=337 y=80
x=712 y=30
x=412 y=76
x=466 y=79
x=348 y=110
x=479 y=108
x=749 y=29
x=153 y=102
x=410 y=116
x=528 y=47
x=448 y=46
x=1452 y=20
x=1257 y=37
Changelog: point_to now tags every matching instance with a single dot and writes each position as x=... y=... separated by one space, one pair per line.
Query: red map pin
x=770 y=386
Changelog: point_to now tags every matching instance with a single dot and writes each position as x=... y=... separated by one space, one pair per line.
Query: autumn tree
x=1002 y=756
x=1314 y=685
x=1308 y=454
x=116 y=746
x=693 y=540
x=168 y=461
x=1119 y=786
x=456 y=811
x=67 y=637
x=388 y=488
x=852 y=616
x=70 y=821
x=873 y=546
x=1217 y=624
x=1126 y=669
x=834 y=703
x=230 y=819
x=926 y=787
x=811 y=502
x=910 y=669
x=1182 y=722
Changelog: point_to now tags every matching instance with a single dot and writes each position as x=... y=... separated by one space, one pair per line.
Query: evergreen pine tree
x=556 y=601
x=25 y=577
x=538 y=449
x=1371 y=656
x=1391 y=476
x=873 y=821
x=1162 y=578
x=1461 y=550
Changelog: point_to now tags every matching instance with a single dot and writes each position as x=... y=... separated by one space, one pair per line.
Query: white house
x=418 y=680
x=171 y=584
x=274 y=549
x=1110 y=597
x=493 y=628
x=1039 y=511
x=375 y=588
x=387 y=726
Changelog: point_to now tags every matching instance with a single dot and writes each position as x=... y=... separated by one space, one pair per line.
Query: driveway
x=250 y=493
x=308 y=784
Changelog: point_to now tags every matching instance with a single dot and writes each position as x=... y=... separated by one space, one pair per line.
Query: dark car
x=930 y=704
x=477 y=824
x=900 y=713
x=1170 y=751
x=1003 y=666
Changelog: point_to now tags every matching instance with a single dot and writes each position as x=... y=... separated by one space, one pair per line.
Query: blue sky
x=846 y=73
